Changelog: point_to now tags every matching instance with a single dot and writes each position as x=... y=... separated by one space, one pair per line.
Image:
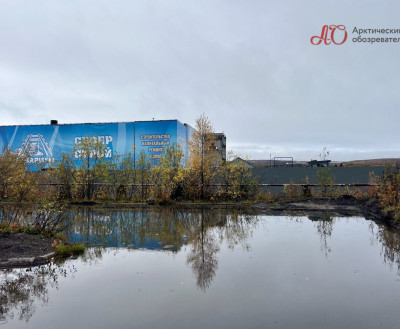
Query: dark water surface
x=212 y=269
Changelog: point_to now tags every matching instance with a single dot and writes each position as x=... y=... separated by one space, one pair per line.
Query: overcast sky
x=247 y=64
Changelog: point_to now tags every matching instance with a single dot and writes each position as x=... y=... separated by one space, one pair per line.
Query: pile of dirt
x=21 y=249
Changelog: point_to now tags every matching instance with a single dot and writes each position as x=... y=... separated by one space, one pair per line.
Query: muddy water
x=212 y=269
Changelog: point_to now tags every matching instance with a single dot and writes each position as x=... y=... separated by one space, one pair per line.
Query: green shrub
x=389 y=193
x=325 y=181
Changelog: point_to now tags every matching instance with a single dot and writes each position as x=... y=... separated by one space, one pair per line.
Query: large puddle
x=206 y=268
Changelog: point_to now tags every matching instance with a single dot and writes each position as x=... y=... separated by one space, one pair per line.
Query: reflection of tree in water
x=209 y=230
x=23 y=290
x=324 y=223
x=92 y=255
x=237 y=230
x=203 y=255
x=390 y=239
x=168 y=228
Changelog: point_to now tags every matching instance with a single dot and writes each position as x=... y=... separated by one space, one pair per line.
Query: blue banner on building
x=45 y=144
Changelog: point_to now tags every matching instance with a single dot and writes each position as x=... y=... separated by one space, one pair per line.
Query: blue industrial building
x=45 y=144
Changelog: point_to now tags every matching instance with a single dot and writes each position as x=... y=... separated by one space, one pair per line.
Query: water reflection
x=324 y=223
x=204 y=248
x=390 y=240
x=209 y=233
x=203 y=236
x=22 y=291
x=167 y=229
x=14 y=212
x=155 y=229
x=203 y=230
x=146 y=228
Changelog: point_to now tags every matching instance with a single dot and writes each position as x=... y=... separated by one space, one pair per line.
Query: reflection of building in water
x=136 y=230
x=166 y=229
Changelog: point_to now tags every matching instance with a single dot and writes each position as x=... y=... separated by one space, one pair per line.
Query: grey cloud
x=248 y=65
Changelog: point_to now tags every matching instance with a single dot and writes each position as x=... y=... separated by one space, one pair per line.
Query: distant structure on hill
x=319 y=163
x=268 y=163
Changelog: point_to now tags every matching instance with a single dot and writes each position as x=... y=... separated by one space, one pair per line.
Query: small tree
x=112 y=177
x=65 y=177
x=203 y=158
x=325 y=180
x=52 y=217
x=389 y=193
x=238 y=180
x=143 y=173
x=168 y=175
x=16 y=182
x=128 y=174
x=90 y=170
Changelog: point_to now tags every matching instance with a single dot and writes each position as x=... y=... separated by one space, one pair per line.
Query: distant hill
x=278 y=163
x=354 y=163
x=370 y=162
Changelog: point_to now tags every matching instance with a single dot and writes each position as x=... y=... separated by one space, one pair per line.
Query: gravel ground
x=21 y=249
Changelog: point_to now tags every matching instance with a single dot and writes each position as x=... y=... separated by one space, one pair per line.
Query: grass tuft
x=65 y=250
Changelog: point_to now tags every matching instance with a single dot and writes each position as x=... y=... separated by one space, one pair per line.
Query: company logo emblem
x=328 y=35
x=37 y=149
